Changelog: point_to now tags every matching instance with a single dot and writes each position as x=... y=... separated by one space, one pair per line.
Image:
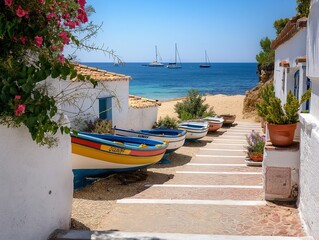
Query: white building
x=109 y=100
x=296 y=69
x=290 y=60
x=309 y=147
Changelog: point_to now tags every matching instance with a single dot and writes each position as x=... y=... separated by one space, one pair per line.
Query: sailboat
x=207 y=63
x=174 y=65
x=155 y=63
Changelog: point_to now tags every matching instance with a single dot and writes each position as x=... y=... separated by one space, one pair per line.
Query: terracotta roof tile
x=141 y=102
x=100 y=75
x=302 y=59
x=284 y=63
x=291 y=29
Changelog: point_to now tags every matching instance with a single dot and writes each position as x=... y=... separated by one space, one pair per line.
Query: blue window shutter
x=105 y=108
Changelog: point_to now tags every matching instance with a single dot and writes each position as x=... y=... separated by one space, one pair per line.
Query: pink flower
x=82 y=3
x=61 y=59
x=20 y=110
x=72 y=25
x=8 y=3
x=23 y=39
x=82 y=15
x=20 y=12
x=65 y=37
x=63 y=34
x=38 y=40
x=17 y=97
x=53 y=47
x=41 y=1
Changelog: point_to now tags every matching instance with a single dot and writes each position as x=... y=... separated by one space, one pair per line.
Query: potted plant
x=256 y=144
x=281 y=119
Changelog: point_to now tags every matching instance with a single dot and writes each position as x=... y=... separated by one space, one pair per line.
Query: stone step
x=199 y=159
x=222 y=152
x=224 y=145
x=203 y=219
x=215 y=179
x=112 y=234
x=194 y=193
x=221 y=167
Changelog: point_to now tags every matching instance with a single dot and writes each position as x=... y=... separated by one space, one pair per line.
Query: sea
x=162 y=83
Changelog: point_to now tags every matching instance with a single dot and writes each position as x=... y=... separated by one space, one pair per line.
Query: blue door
x=296 y=85
x=105 y=108
x=308 y=101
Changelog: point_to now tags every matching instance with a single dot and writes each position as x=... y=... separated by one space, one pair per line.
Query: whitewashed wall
x=141 y=118
x=309 y=174
x=85 y=99
x=290 y=50
x=309 y=161
x=36 y=186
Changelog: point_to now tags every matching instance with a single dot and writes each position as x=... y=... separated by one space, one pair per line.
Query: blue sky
x=230 y=30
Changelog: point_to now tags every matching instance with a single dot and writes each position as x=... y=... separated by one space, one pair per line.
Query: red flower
x=20 y=110
x=17 y=97
x=38 y=40
x=61 y=59
x=8 y=3
x=82 y=3
x=41 y=1
x=82 y=15
x=20 y=12
x=23 y=39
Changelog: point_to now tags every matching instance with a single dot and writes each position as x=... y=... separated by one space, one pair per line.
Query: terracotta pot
x=281 y=135
x=254 y=156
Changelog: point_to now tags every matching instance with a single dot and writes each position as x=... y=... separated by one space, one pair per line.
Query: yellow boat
x=94 y=154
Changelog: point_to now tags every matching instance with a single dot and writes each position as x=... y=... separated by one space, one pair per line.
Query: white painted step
x=99 y=235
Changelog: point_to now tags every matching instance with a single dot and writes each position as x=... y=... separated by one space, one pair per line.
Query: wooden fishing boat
x=174 y=137
x=214 y=123
x=94 y=154
x=194 y=130
x=229 y=119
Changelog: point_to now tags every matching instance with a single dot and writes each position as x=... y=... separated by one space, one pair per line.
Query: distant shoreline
x=206 y=95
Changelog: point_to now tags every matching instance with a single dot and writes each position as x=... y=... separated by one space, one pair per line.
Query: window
x=283 y=79
x=105 y=108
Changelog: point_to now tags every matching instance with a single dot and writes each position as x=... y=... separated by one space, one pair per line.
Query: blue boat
x=174 y=137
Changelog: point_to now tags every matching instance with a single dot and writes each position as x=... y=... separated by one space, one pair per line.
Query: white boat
x=207 y=63
x=175 y=65
x=174 y=137
x=214 y=123
x=155 y=63
x=195 y=130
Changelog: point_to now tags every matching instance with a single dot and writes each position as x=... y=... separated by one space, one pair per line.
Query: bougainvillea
x=33 y=34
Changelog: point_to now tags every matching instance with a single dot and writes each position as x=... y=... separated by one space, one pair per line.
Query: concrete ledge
x=293 y=148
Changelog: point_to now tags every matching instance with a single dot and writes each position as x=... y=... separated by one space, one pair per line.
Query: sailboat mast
x=175 y=52
x=156 y=53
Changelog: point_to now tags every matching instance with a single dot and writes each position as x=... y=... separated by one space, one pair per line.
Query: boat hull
x=91 y=156
x=228 y=119
x=194 y=130
x=175 y=141
x=214 y=123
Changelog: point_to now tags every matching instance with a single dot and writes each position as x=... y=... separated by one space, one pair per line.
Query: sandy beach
x=222 y=104
x=93 y=203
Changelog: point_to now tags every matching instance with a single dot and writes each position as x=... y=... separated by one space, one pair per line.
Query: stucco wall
x=290 y=50
x=141 y=118
x=312 y=41
x=36 y=186
x=309 y=174
x=80 y=97
x=309 y=164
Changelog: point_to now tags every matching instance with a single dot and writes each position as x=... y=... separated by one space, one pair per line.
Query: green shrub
x=98 y=126
x=193 y=107
x=167 y=122
x=272 y=111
